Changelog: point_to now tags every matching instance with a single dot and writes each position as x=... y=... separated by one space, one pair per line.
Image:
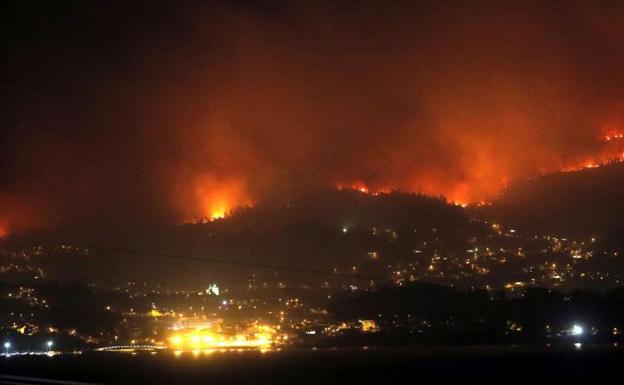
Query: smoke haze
x=122 y=114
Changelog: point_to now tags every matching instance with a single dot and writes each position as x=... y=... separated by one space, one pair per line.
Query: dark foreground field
x=496 y=365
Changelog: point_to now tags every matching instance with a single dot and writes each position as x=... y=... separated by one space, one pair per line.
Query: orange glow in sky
x=216 y=198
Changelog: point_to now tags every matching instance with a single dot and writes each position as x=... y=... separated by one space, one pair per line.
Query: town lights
x=260 y=336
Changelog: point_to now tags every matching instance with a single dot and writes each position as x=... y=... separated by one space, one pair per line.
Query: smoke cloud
x=123 y=115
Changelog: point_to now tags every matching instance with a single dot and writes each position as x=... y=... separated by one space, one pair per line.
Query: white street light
x=576 y=330
x=7 y=346
x=49 y=343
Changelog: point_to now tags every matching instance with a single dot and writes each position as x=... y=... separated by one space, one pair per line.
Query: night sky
x=124 y=113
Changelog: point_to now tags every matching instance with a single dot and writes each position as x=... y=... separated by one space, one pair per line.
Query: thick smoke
x=123 y=115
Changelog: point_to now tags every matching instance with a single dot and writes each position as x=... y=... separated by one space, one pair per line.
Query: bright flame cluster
x=215 y=198
x=363 y=188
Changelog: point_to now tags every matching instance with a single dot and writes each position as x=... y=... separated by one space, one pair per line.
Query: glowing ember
x=613 y=136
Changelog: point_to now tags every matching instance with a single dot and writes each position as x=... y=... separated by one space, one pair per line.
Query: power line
x=164 y=255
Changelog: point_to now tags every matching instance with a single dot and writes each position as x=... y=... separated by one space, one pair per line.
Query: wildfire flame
x=463 y=194
x=210 y=197
x=217 y=198
x=212 y=128
x=363 y=188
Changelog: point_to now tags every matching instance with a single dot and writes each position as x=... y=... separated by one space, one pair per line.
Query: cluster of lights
x=7 y=346
x=206 y=339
